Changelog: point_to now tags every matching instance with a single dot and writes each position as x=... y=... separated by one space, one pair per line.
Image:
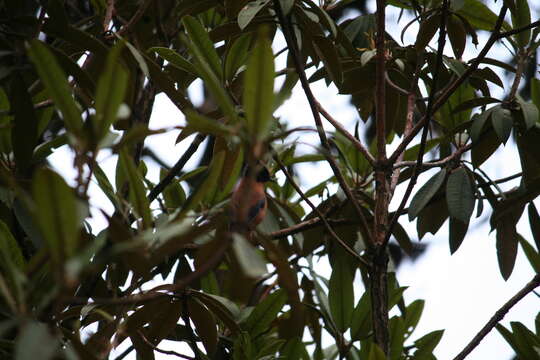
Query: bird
x=248 y=200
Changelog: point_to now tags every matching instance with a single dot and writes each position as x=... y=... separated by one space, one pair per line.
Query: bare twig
x=305 y=225
x=359 y=146
x=166 y=352
x=134 y=19
x=518 y=30
x=498 y=316
x=437 y=163
x=290 y=37
x=108 y=15
x=320 y=215
x=177 y=168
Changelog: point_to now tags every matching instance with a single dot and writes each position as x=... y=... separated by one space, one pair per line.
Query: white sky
x=461 y=291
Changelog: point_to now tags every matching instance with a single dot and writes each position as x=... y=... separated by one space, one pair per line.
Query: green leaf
x=458 y=230
x=459 y=195
x=200 y=123
x=457 y=35
x=413 y=314
x=375 y=353
x=532 y=255
x=480 y=16
x=534 y=221
x=427 y=343
x=529 y=112
x=203 y=45
x=249 y=11
x=110 y=93
x=360 y=318
x=397 y=337
x=175 y=59
x=137 y=192
x=478 y=124
x=535 y=92
x=237 y=56
x=265 y=313
x=205 y=325
x=341 y=295
x=57 y=213
x=427 y=30
x=56 y=83
x=259 y=87
x=502 y=122
x=9 y=248
x=472 y=103
x=426 y=192
x=507 y=244
x=250 y=260
x=522 y=17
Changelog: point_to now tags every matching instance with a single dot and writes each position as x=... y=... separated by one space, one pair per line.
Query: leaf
x=110 y=93
x=237 y=55
x=506 y=244
x=203 y=45
x=375 y=353
x=534 y=221
x=249 y=11
x=56 y=83
x=472 y=103
x=427 y=343
x=522 y=17
x=457 y=35
x=397 y=337
x=480 y=16
x=459 y=195
x=201 y=123
x=502 y=122
x=205 y=325
x=56 y=213
x=425 y=194
x=249 y=259
x=529 y=112
x=341 y=295
x=286 y=6
x=326 y=50
x=413 y=314
x=35 y=342
x=175 y=59
x=427 y=30
x=259 y=87
x=136 y=188
x=226 y=310
x=265 y=313
x=532 y=255
x=9 y=248
x=458 y=230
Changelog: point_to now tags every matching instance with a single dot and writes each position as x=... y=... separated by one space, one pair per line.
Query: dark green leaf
x=341 y=295
x=458 y=230
x=202 y=43
x=265 y=313
x=522 y=17
x=175 y=59
x=56 y=84
x=534 y=221
x=529 y=112
x=532 y=255
x=425 y=194
x=459 y=195
x=507 y=241
x=427 y=343
x=472 y=103
x=237 y=56
x=413 y=314
x=249 y=11
x=259 y=87
x=250 y=260
x=427 y=30
x=205 y=325
x=502 y=121
x=56 y=213
x=480 y=16
x=9 y=248
x=456 y=34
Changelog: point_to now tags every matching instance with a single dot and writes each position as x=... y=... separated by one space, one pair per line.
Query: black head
x=263 y=175
x=259 y=172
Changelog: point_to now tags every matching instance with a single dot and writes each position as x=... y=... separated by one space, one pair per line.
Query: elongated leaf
x=111 y=90
x=56 y=83
x=265 y=313
x=136 y=188
x=200 y=39
x=9 y=248
x=459 y=195
x=237 y=56
x=502 y=123
x=480 y=16
x=534 y=221
x=249 y=11
x=522 y=17
x=56 y=213
x=425 y=194
x=532 y=255
x=206 y=125
x=175 y=59
x=205 y=325
x=458 y=230
x=251 y=261
x=259 y=87
x=507 y=241
x=341 y=295
x=427 y=343
x=529 y=112
x=472 y=103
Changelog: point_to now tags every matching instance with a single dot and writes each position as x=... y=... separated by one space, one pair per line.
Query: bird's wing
x=255 y=209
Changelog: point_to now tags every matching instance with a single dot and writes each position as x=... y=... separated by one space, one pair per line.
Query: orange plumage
x=248 y=201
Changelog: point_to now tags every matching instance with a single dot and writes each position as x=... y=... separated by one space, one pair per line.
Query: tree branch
x=290 y=38
x=177 y=168
x=498 y=316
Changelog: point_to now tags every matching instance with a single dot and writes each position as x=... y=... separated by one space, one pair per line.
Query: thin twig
x=498 y=316
x=290 y=37
x=437 y=163
x=177 y=168
x=305 y=225
x=320 y=215
x=166 y=352
x=108 y=15
x=134 y=19
x=359 y=146
x=518 y=30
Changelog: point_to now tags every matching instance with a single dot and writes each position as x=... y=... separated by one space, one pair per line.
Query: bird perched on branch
x=248 y=201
